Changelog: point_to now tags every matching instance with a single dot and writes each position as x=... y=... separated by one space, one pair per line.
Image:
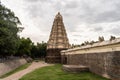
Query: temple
x=57 y=41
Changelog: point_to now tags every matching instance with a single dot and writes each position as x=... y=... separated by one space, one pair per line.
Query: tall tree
x=42 y=49
x=39 y=50
x=25 y=47
x=9 y=40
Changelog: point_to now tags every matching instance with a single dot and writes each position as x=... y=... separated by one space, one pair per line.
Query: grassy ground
x=16 y=70
x=55 y=73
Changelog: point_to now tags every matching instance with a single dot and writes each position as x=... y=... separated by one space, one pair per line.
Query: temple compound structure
x=102 y=58
x=57 y=41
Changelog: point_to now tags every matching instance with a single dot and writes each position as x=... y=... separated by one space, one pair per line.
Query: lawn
x=16 y=70
x=55 y=73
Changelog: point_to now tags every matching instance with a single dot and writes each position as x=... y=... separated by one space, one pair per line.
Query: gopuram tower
x=57 y=41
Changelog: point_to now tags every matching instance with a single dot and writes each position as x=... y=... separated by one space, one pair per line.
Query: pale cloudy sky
x=83 y=19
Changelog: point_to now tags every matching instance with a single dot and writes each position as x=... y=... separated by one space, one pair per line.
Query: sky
x=84 y=20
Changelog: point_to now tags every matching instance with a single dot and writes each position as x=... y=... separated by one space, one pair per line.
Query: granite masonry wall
x=9 y=65
x=102 y=58
x=106 y=64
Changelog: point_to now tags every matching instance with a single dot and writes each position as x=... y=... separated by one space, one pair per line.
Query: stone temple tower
x=57 y=41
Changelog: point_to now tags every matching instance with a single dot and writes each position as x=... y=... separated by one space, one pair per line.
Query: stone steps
x=75 y=68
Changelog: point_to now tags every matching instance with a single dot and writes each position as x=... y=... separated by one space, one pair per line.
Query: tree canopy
x=24 y=47
x=28 y=48
x=9 y=40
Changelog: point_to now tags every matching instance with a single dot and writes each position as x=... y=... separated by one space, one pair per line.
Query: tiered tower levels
x=57 y=41
x=58 y=37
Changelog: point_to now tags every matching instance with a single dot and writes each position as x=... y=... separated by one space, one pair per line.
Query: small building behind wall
x=102 y=58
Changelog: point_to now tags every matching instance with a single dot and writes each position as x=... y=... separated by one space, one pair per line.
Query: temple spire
x=58 y=13
x=58 y=39
x=58 y=16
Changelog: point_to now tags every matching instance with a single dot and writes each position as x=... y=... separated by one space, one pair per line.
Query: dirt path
x=21 y=73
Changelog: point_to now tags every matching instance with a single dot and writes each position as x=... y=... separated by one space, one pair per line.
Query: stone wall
x=53 y=55
x=10 y=65
x=106 y=64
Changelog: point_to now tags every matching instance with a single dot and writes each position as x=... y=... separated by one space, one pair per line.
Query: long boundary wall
x=10 y=65
x=101 y=58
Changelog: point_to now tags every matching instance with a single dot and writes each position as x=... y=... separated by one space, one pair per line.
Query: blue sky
x=84 y=20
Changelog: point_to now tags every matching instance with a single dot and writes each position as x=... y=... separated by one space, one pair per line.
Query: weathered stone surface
x=7 y=66
x=106 y=64
x=53 y=56
x=57 y=41
x=58 y=36
x=75 y=68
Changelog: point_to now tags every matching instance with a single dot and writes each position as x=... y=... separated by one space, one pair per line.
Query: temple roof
x=58 y=36
x=58 y=16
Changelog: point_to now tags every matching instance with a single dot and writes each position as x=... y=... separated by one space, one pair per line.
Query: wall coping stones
x=99 y=44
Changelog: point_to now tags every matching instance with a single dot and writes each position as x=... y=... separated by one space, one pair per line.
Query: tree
x=101 y=39
x=39 y=50
x=86 y=42
x=34 y=51
x=72 y=46
x=42 y=48
x=91 y=42
x=25 y=47
x=9 y=40
x=112 y=38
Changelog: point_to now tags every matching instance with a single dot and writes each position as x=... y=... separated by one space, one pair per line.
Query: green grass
x=55 y=73
x=16 y=70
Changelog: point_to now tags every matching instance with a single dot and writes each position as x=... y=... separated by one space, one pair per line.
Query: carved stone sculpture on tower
x=57 y=41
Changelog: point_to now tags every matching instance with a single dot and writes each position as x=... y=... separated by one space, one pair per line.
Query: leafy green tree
x=34 y=51
x=42 y=49
x=25 y=47
x=9 y=40
x=39 y=50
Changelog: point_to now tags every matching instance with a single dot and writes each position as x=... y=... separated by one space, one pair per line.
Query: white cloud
x=83 y=19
